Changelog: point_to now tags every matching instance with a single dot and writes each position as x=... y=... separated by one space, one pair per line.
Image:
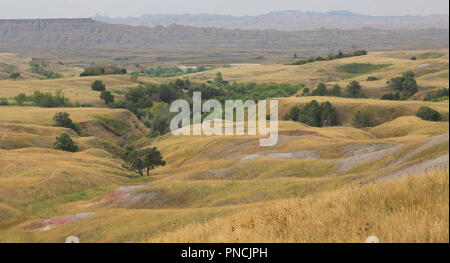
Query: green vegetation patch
x=118 y=127
x=430 y=55
x=355 y=69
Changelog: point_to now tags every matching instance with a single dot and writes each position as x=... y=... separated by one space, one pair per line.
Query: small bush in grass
x=65 y=143
x=3 y=101
x=98 y=85
x=428 y=114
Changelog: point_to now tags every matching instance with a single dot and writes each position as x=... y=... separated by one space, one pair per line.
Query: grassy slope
x=207 y=178
x=412 y=209
x=328 y=71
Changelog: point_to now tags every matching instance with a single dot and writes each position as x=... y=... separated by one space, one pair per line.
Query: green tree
x=428 y=114
x=317 y=115
x=293 y=113
x=305 y=92
x=362 y=119
x=65 y=143
x=310 y=114
x=98 y=85
x=3 y=101
x=62 y=119
x=218 y=80
x=336 y=91
x=151 y=158
x=143 y=160
x=107 y=96
x=354 y=90
x=21 y=98
x=321 y=90
x=328 y=116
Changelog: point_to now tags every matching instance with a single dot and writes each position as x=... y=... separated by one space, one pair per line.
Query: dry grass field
x=331 y=184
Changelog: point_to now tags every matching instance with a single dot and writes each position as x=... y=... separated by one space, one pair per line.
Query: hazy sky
x=123 y=8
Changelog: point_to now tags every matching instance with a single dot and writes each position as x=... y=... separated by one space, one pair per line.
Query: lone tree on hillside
x=65 y=143
x=62 y=119
x=107 y=97
x=143 y=160
x=98 y=85
x=354 y=90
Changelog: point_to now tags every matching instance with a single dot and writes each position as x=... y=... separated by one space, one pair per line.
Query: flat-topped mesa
x=47 y=20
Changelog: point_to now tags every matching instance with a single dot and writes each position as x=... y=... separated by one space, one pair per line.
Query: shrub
x=107 y=96
x=41 y=68
x=65 y=143
x=371 y=78
x=3 y=101
x=48 y=100
x=14 y=75
x=362 y=119
x=428 y=114
x=102 y=70
x=391 y=96
x=441 y=94
x=98 y=85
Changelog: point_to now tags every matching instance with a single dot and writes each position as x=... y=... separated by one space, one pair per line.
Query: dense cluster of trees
x=143 y=160
x=322 y=90
x=42 y=99
x=314 y=114
x=330 y=57
x=403 y=87
x=353 y=90
x=170 y=71
x=428 y=114
x=99 y=70
x=41 y=68
x=151 y=102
